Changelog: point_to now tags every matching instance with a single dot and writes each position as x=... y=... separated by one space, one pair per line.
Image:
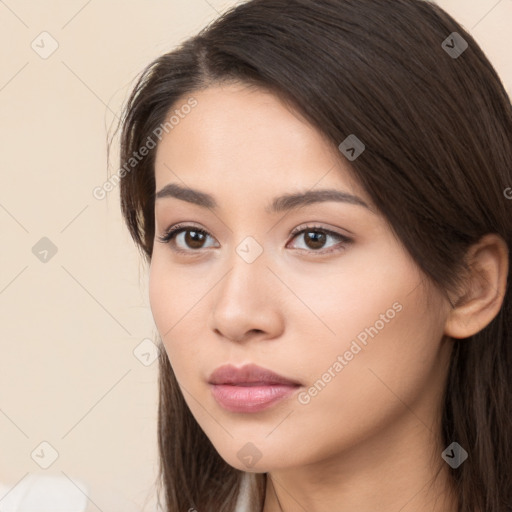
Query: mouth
x=250 y=388
x=250 y=398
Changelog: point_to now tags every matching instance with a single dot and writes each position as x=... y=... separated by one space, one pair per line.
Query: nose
x=247 y=302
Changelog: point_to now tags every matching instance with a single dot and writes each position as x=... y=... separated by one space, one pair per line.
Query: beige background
x=69 y=326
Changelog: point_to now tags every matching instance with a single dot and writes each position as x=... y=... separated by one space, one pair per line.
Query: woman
x=320 y=189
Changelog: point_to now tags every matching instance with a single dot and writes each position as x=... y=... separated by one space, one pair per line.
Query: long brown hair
x=437 y=127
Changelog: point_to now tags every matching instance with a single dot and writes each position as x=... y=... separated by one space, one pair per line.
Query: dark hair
x=437 y=128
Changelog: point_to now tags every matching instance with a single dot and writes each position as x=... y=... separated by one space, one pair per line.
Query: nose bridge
x=243 y=301
x=248 y=269
x=249 y=250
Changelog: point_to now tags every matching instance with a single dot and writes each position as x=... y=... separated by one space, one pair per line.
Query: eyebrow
x=279 y=204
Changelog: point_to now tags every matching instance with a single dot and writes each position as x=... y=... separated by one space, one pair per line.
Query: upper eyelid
x=300 y=229
x=297 y=230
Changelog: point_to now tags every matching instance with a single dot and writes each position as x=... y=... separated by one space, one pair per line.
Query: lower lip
x=250 y=398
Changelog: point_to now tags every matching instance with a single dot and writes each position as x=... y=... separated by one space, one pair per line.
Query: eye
x=317 y=237
x=194 y=238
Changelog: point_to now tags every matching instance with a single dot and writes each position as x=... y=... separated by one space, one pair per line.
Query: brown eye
x=315 y=239
x=193 y=239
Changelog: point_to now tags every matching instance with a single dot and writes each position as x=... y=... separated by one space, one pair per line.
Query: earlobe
x=485 y=288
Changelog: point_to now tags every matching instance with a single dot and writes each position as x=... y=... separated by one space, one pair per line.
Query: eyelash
x=172 y=232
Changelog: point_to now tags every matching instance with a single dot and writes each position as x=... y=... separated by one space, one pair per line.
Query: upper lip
x=248 y=374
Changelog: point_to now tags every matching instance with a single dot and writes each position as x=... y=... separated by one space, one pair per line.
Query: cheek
x=379 y=341
x=166 y=302
x=177 y=309
x=171 y=294
x=361 y=297
x=358 y=397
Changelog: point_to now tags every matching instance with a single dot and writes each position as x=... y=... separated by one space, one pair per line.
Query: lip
x=248 y=374
x=249 y=388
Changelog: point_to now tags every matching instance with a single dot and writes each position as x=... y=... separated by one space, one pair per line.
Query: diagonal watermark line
x=410 y=410
x=88 y=497
x=420 y=282
x=14 y=76
x=13 y=279
x=301 y=300
x=197 y=303
x=408 y=501
x=206 y=1
x=14 y=486
x=117 y=117
x=213 y=417
x=13 y=217
x=210 y=209
x=279 y=423
x=314 y=185
x=97 y=301
x=3 y=412
x=76 y=14
x=3 y=3
x=81 y=419
x=286 y=491
x=277 y=222
x=14 y=423
x=74 y=218
x=487 y=14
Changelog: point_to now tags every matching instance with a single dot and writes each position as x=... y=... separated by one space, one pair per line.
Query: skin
x=369 y=440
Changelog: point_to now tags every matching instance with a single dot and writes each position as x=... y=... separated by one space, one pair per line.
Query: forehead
x=248 y=139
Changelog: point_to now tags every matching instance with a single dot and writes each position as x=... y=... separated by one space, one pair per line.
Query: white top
x=242 y=505
x=42 y=493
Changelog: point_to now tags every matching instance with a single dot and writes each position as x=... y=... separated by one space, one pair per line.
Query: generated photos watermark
x=342 y=361
x=100 y=192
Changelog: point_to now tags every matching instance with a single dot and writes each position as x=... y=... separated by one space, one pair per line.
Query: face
x=320 y=292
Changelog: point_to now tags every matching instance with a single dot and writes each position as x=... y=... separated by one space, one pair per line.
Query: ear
x=484 y=288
